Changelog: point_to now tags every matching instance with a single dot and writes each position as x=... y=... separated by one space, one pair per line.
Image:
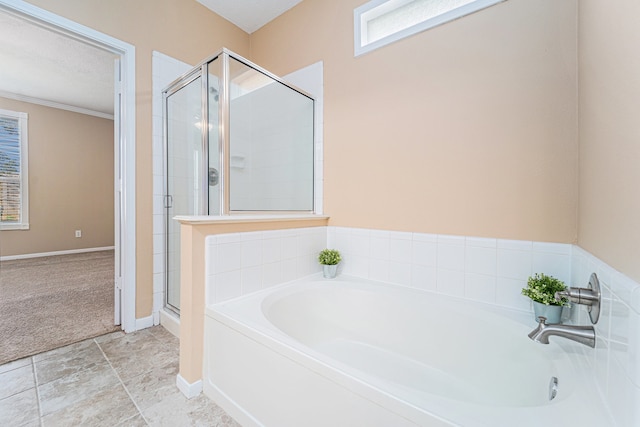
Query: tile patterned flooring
x=112 y=380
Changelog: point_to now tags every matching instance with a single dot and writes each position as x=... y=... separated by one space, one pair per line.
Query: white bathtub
x=357 y=353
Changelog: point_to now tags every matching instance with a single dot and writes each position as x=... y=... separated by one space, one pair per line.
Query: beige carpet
x=49 y=302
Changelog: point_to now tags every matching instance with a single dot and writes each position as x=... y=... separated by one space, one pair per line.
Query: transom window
x=14 y=186
x=380 y=22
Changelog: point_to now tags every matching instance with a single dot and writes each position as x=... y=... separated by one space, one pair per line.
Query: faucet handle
x=589 y=296
x=584 y=296
x=542 y=320
x=562 y=294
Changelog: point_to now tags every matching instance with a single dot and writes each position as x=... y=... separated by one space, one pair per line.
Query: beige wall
x=469 y=128
x=609 y=209
x=70 y=182
x=183 y=29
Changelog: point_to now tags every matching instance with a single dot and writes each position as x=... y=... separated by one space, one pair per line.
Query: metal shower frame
x=202 y=70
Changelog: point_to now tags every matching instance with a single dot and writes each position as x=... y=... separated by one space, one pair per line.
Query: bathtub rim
x=519 y=315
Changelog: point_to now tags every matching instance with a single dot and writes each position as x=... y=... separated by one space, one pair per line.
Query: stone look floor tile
x=108 y=337
x=78 y=386
x=128 y=342
x=165 y=336
x=32 y=423
x=136 y=421
x=145 y=356
x=177 y=410
x=64 y=350
x=119 y=348
x=59 y=366
x=65 y=391
x=16 y=380
x=15 y=364
x=151 y=387
x=106 y=408
x=20 y=409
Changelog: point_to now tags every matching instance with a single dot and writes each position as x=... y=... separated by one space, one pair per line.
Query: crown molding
x=53 y=104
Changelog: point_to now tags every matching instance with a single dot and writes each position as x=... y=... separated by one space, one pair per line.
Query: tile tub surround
x=112 y=380
x=480 y=269
x=486 y=270
x=616 y=360
x=242 y=263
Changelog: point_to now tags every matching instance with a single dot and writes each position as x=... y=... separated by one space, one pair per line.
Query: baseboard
x=43 y=254
x=190 y=390
x=144 y=322
x=170 y=322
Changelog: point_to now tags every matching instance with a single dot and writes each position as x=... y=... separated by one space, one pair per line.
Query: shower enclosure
x=238 y=140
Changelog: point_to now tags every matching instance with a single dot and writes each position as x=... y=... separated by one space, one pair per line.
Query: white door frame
x=124 y=152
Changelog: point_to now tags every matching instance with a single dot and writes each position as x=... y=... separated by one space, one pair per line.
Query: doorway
x=124 y=149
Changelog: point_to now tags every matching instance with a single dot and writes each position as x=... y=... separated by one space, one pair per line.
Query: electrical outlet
x=78 y=233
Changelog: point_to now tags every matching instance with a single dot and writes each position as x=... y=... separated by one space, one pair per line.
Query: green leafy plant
x=329 y=257
x=542 y=288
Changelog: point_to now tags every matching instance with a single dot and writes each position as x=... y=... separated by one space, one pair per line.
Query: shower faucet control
x=589 y=296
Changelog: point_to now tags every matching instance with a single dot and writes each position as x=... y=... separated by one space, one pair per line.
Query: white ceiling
x=249 y=15
x=37 y=63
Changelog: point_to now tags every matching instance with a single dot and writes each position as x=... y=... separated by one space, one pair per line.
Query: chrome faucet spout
x=583 y=334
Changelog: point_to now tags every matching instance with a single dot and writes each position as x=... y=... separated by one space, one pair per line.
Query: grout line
x=34 y=370
x=122 y=383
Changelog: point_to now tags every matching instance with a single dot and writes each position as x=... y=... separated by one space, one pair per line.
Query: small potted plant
x=329 y=258
x=542 y=289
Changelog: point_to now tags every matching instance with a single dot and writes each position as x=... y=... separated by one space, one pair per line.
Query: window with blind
x=380 y=22
x=14 y=187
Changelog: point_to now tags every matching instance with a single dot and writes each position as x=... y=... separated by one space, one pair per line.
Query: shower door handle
x=168 y=201
x=214 y=177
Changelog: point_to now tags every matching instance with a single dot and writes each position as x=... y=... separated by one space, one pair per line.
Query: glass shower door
x=184 y=160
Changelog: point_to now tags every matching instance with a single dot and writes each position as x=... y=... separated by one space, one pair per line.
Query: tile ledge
x=237 y=219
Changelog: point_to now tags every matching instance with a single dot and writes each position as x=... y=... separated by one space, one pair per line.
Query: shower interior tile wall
x=486 y=270
x=267 y=172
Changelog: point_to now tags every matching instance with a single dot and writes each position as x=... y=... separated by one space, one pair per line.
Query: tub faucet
x=583 y=334
x=589 y=296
